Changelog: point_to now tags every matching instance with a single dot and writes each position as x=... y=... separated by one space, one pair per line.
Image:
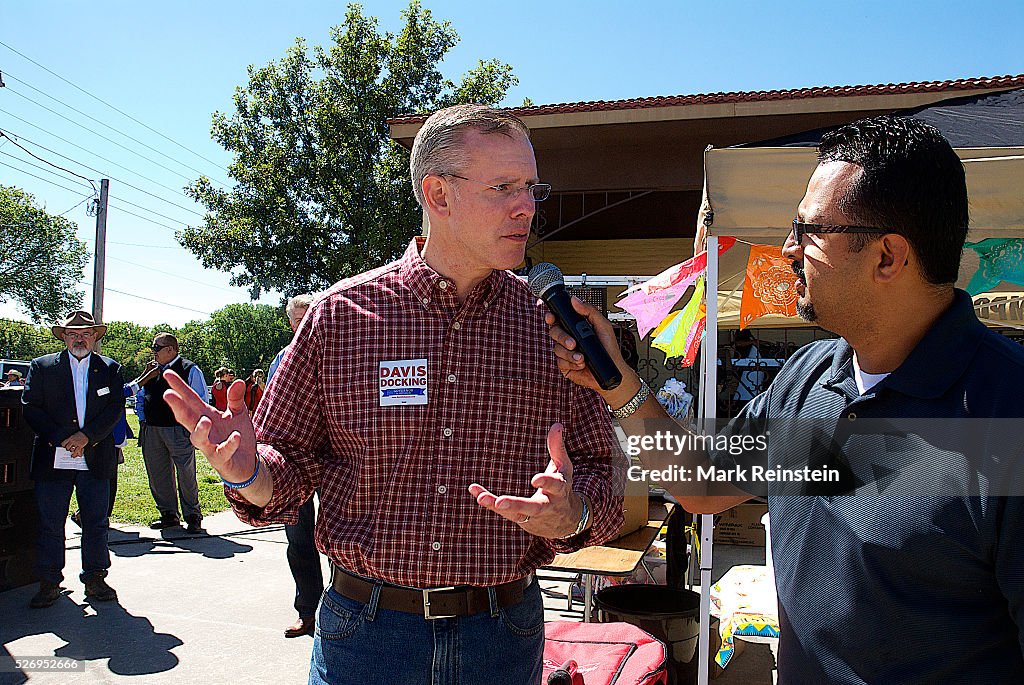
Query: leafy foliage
x=242 y=336
x=248 y=335
x=41 y=259
x=321 y=191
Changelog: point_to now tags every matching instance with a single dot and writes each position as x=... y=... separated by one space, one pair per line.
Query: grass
x=134 y=502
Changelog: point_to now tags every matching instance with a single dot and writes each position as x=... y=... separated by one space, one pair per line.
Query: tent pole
x=708 y=387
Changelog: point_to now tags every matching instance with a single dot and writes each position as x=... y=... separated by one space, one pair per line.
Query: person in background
x=14 y=379
x=219 y=391
x=303 y=557
x=72 y=401
x=255 y=385
x=166 y=448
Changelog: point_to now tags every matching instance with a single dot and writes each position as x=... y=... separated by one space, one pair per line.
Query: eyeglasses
x=157 y=348
x=800 y=229
x=538 y=191
x=80 y=334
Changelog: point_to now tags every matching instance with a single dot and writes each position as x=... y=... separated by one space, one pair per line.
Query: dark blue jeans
x=53 y=498
x=359 y=644
x=304 y=561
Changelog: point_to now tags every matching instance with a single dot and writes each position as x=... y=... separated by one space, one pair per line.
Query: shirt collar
x=79 y=363
x=426 y=284
x=171 y=363
x=935 y=363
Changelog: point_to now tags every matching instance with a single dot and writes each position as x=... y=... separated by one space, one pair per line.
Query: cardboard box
x=741 y=525
x=634 y=507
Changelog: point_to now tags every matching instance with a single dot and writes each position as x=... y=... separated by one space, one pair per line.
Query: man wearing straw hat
x=73 y=400
x=14 y=379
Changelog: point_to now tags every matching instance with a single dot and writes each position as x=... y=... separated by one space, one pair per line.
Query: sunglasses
x=800 y=229
x=157 y=348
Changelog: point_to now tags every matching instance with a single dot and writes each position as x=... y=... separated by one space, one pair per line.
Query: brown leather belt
x=432 y=603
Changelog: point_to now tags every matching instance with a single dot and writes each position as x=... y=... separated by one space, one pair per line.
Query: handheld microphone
x=564 y=674
x=547 y=283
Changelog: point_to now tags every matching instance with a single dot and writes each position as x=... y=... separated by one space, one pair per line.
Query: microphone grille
x=543 y=276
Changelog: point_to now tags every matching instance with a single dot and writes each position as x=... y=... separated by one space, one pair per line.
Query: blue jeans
x=362 y=644
x=304 y=561
x=53 y=497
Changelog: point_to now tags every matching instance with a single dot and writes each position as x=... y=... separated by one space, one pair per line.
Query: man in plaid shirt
x=423 y=402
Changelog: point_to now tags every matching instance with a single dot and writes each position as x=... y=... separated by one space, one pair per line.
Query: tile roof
x=758 y=96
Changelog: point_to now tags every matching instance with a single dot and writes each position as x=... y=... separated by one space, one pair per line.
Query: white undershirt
x=865 y=380
x=80 y=377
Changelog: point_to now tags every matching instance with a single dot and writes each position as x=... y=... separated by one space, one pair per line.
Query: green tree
x=20 y=340
x=129 y=344
x=194 y=343
x=248 y=336
x=41 y=259
x=320 y=191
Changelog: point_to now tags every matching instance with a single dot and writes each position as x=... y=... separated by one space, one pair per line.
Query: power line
x=70 y=190
x=89 y=152
x=36 y=166
x=45 y=161
x=145 y=209
x=155 y=247
x=8 y=135
x=102 y=123
x=147 y=299
x=94 y=97
x=109 y=140
x=145 y=218
x=75 y=207
x=172 y=275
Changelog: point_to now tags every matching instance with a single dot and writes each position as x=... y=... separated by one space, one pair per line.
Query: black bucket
x=671 y=615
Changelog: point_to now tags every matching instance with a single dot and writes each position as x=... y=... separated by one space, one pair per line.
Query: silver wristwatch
x=629 y=408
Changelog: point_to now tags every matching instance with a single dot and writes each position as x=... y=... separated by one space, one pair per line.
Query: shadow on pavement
x=129 y=642
x=173 y=541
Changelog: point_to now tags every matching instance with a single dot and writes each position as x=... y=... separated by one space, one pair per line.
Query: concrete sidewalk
x=192 y=609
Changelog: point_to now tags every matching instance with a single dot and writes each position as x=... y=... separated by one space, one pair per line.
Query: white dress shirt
x=80 y=377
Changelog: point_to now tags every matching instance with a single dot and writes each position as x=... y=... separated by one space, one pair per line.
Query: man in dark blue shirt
x=911 y=568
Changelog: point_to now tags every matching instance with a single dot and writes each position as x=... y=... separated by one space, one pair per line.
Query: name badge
x=402 y=382
x=103 y=391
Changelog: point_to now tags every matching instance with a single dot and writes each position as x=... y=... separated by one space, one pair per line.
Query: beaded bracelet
x=246 y=483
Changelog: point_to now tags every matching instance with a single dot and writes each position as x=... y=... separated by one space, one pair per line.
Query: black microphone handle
x=605 y=372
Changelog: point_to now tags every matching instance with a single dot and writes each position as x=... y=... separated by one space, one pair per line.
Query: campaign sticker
x=403 y=382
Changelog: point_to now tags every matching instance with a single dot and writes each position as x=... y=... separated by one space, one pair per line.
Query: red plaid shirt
x=393 y=479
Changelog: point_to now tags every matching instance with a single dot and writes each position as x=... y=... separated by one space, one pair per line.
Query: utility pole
x=100 y=258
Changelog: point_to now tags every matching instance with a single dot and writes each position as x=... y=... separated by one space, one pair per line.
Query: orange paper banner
x=770 y=287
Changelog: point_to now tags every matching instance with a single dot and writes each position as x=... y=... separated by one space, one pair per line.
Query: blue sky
x=170 y=65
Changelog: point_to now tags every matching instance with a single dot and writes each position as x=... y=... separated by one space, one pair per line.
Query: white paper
x=62 y=459
x=103 y=391
x=402 y=382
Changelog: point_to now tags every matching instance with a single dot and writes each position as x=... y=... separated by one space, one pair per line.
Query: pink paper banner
x=651 y=302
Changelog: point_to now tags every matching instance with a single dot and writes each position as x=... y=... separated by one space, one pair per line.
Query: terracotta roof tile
x=757 y=96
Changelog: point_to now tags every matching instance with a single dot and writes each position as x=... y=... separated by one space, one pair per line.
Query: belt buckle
x=426 y=602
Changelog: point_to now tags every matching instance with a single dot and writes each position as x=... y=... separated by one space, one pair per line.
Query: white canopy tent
x=752 y=193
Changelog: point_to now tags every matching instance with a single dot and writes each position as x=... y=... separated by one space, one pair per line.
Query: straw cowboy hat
x=79 y=320
x=14 y=372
